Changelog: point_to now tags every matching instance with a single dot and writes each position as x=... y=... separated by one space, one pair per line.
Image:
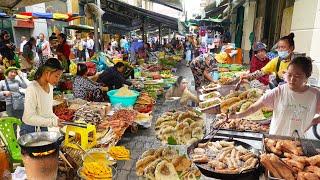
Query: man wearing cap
x=259 y=60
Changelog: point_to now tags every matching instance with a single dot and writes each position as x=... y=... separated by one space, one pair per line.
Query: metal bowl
x=114 y=173
x=40 y=142
x=209 y=172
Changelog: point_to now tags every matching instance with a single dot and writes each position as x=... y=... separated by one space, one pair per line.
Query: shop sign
x=23 y=24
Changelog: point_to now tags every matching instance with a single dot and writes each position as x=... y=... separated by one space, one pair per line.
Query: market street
x=145 y=139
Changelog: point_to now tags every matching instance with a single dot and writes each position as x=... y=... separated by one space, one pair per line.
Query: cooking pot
x=39 y=142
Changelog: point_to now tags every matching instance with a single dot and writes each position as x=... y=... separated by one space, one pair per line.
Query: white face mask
x=283 y=54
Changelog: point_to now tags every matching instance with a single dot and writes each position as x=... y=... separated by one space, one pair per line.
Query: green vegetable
x=267 y=114
x=171 y=141
x=199 y=113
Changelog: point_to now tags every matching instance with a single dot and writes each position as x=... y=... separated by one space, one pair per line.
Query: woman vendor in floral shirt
x=85 y=88
x=201 y=68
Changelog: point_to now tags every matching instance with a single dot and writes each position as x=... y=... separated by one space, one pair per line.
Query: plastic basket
x=125 y=101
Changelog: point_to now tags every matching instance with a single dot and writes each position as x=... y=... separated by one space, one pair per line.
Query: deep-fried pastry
x=307 y=176
x=284 y=171
x=265 y=160
x=314 y=160
x=181 y=163
x=314 y=169
x=217 y=164
x=200 y=158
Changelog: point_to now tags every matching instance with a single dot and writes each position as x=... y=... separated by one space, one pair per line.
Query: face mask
x=283 y=54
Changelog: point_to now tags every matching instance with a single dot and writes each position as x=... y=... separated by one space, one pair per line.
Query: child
x=38 y=113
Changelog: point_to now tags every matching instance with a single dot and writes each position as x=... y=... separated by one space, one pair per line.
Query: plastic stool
x=86 y=141
x=9 y=137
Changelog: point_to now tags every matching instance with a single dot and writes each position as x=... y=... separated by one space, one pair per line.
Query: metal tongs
x=215 y=131
x=307 y=146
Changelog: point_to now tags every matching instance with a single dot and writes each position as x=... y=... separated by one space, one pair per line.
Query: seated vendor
x=113 y=77
x=85 y=88
x=180 y=89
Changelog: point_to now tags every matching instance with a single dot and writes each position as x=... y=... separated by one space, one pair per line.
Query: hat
x=6 y=72
x=259 y=46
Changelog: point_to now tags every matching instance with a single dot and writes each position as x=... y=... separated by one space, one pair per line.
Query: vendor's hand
x=60 y=123
x=105 y=88
x=7 y=93
x=19 y=72
x=314 y=122
x=9 y=45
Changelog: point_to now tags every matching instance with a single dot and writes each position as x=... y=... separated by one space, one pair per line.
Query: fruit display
x=166 y=74
x=284 y=159
x=153 y=88
x=152 y=68
x=165 y=164
x=167 y=63
x=119 y=153
x=179 y=127
x=241 y=125
x=96 y=170
x=224 y=157
x=64 y=113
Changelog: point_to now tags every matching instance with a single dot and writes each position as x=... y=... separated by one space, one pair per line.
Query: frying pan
x=251 y=174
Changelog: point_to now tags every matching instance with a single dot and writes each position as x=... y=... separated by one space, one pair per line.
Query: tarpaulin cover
x=60 y=16
x=42 y=15
x=19 y=3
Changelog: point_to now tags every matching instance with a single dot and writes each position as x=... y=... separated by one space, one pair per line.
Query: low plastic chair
x=9 y=137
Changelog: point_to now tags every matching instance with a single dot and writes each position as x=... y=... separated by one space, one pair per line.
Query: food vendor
x=201 y=68
x=180 y=89
x=85 y=88
x=294 y=104
x=38 y=113
x=277 y=65
x=259 y=60
x=113 y=77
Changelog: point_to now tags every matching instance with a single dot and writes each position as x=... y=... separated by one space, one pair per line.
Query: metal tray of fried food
x=315 y=143
x=212 y=126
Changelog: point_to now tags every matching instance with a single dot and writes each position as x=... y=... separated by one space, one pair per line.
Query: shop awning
x=122 y=13
x=36 y=15
x=174 y=4
x=80 y=27
x=9 y=4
